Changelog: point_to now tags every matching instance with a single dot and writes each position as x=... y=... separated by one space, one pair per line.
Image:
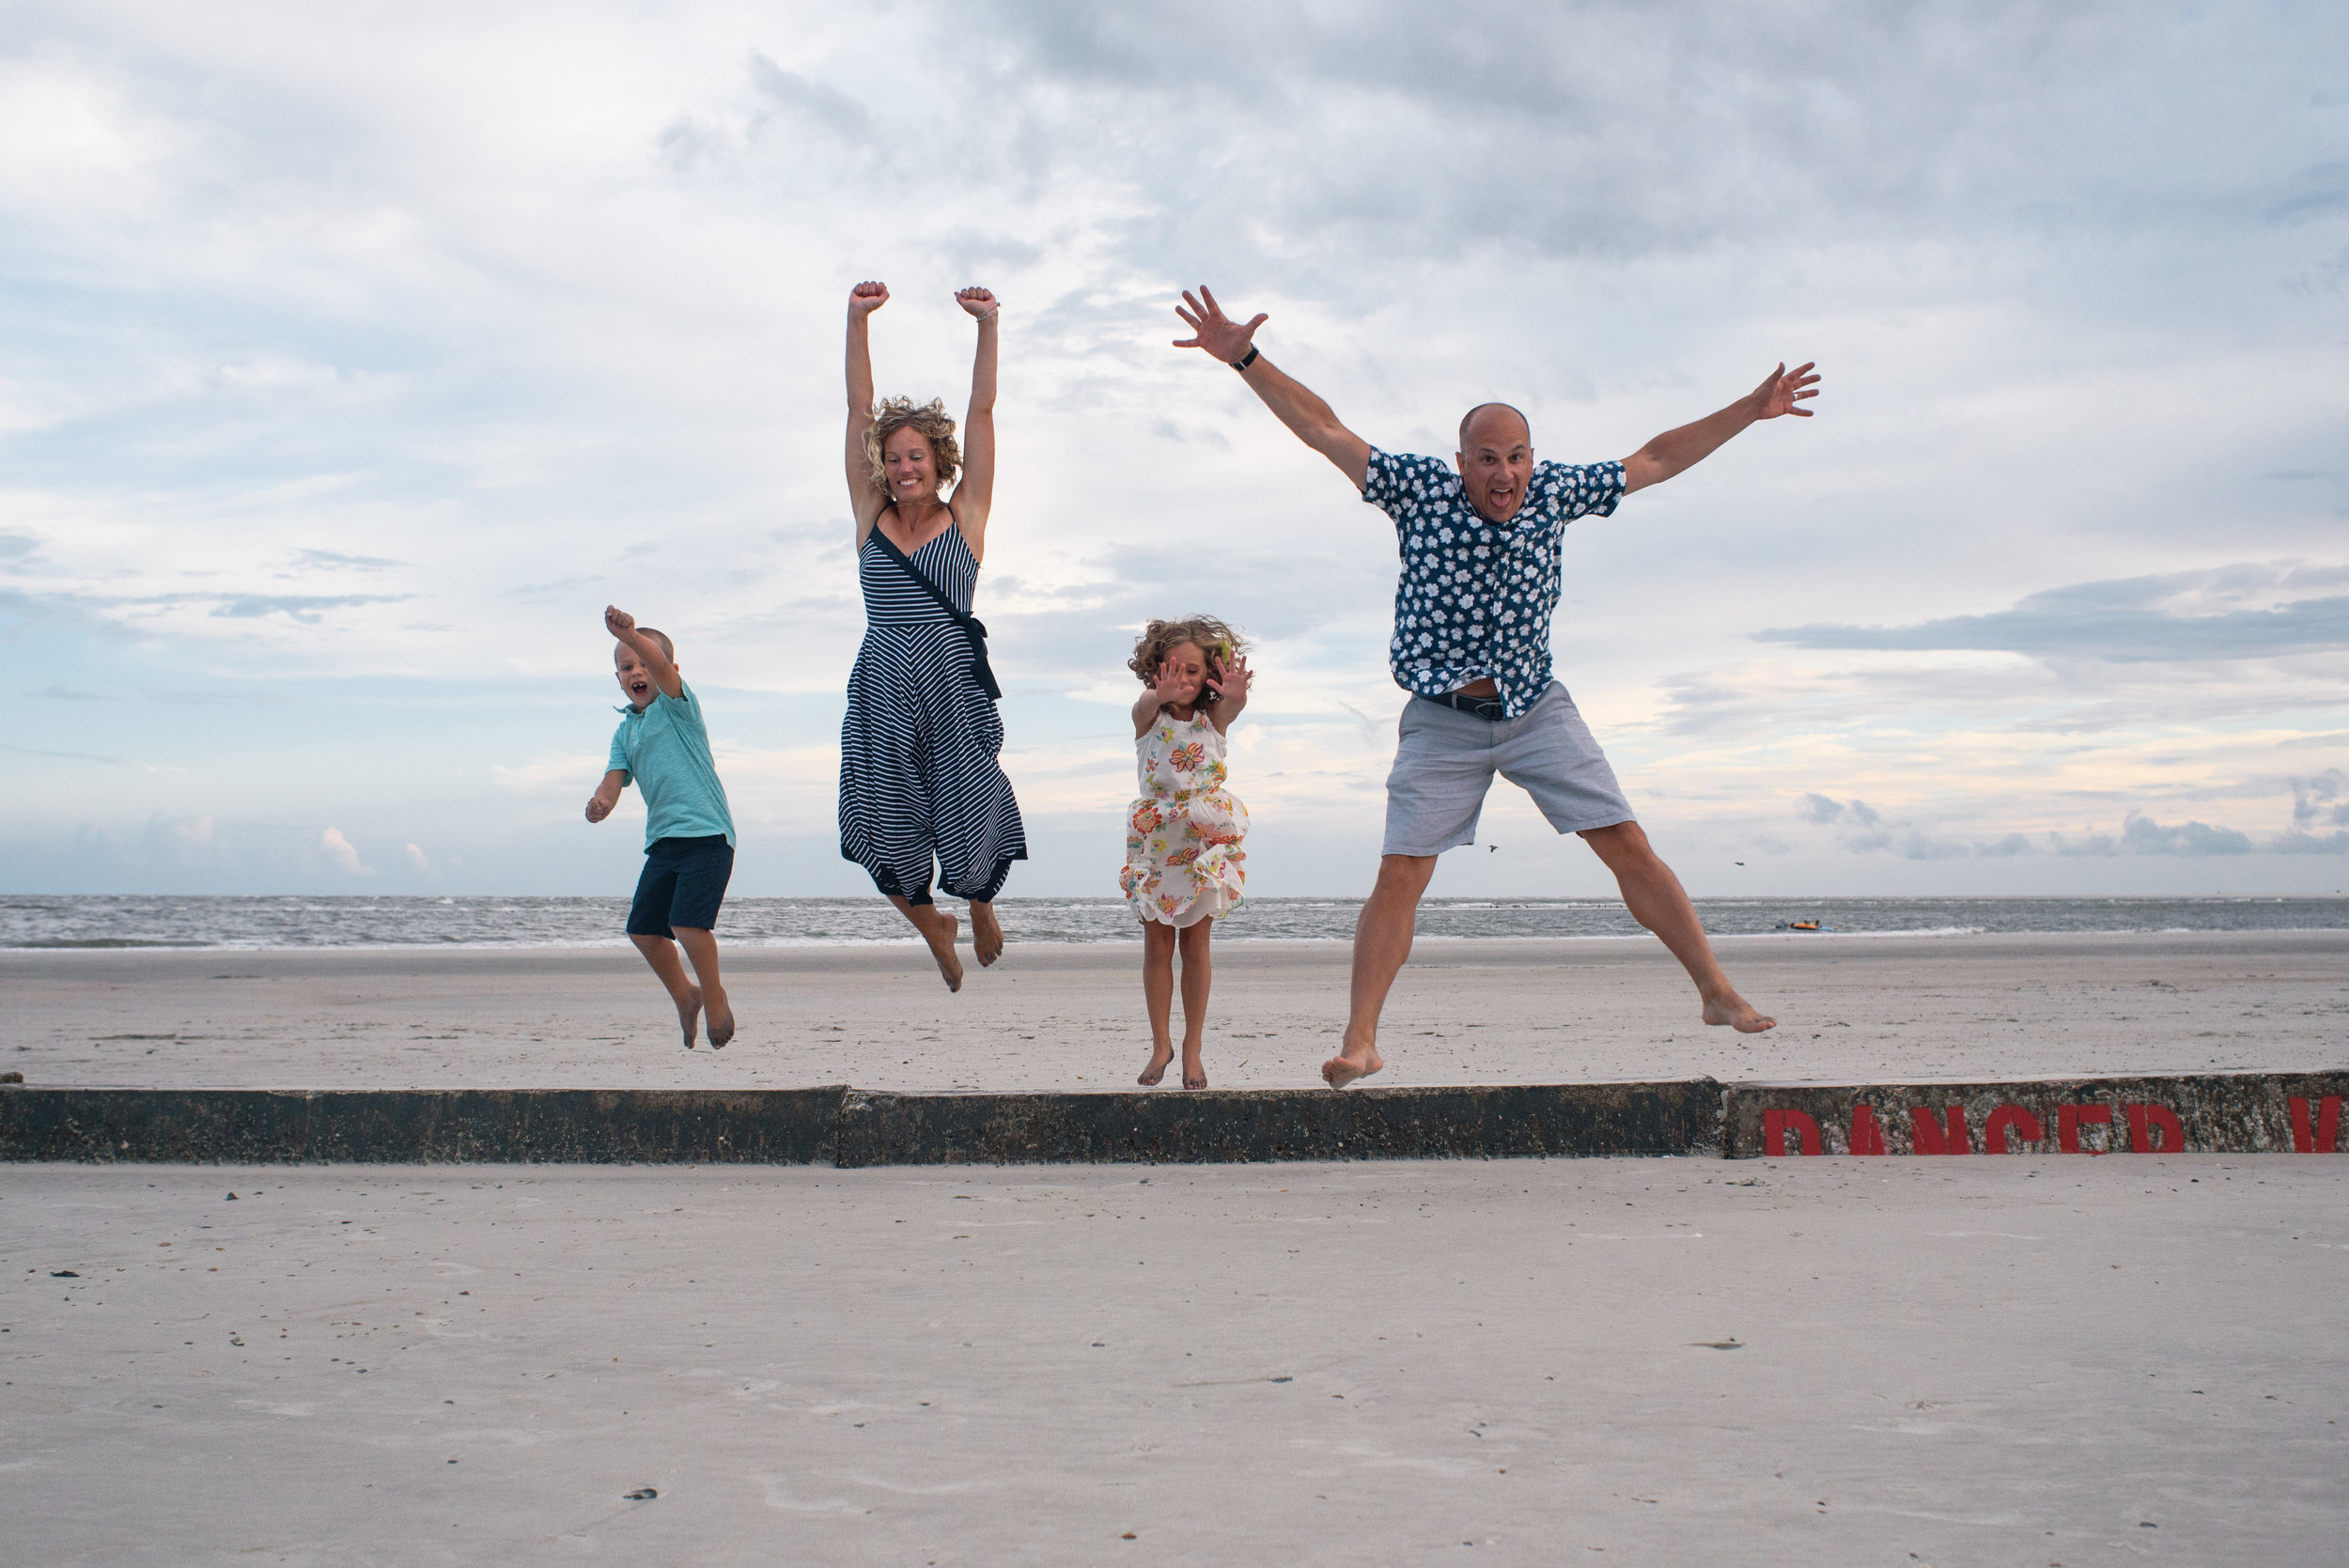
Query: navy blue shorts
x=684 y=883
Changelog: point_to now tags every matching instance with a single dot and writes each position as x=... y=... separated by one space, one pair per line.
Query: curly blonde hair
x=929 y=420
x=1211 y=637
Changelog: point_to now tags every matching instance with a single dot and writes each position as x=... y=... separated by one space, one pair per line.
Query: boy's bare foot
x=1350 y=1065
x=1160 y=1057
x=721 y=1022
x=690 y=1015
x=987 y=937
x=1736 y=1010
x=940 y=936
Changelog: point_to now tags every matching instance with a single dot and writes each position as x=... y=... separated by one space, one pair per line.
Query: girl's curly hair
x=929 y=420
x=1211 y=637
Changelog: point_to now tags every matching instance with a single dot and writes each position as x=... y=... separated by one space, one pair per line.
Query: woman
x=918 y=776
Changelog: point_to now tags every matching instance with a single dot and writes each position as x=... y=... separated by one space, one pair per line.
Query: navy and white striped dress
x=918 y=774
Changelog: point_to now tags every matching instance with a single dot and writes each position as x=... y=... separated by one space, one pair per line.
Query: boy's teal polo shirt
x=665 y=750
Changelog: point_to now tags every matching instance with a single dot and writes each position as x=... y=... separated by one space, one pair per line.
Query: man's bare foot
x=690 y=1015
x=1344 y=1068
x=987 y=937
x=721 y=1022
x=940 y=936
x=1737 y=1011
x=1160 y=1057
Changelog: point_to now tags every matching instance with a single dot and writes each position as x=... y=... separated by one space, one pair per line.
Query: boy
x=689 y=833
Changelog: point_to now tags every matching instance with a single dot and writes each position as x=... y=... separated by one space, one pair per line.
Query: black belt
x=1493 y=709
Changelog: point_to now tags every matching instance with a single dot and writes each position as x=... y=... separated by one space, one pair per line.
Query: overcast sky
x=357 y=355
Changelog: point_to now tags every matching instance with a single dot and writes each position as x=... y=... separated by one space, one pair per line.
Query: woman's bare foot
x=987 y=937
x=721 y=1022
x=1736 y=1010
x=1160 y=1057
x=1350 y=1065
x=690 y=1015
x=1194 y=1071
x=940 y=936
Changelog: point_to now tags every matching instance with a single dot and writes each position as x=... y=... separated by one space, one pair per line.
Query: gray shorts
x=1444 y=762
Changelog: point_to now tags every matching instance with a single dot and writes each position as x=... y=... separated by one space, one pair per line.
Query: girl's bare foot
x=987 y=937
x=1350 y=1065
x=1160 y=1057
x=1731 y=1009
x=940 y=936
x=721 y=1022
x=1194 y=1070
x=690 y=1015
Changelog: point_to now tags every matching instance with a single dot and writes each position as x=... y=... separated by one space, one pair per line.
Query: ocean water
x=28 y=921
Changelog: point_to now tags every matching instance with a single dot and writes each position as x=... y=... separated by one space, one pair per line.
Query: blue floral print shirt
x=1475 y=598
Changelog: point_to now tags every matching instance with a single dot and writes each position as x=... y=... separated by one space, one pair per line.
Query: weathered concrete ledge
x=1211 y=1126
x=2251 y=1113
x=2208 y=1114
x=851 y=1127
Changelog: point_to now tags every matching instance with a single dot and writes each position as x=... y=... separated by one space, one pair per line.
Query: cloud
x=415 y=856
x=2318 y=799
x=2129 y=620
x=1823 y=808
x=68 y=757
x=2142 y=835
x=306 y=608
x=266 y=317
x=330 y=558
x=342 y=851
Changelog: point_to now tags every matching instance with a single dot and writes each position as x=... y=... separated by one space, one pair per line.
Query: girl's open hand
x=1229 y=682
x=1168 y=682
x=980 y=302
x=867 y=298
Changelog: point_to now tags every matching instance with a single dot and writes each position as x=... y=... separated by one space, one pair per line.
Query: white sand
x=1852 y=1009
x=2015 y=1362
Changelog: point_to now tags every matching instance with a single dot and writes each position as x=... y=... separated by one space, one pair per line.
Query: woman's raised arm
x=975 y=495
x=864 y=500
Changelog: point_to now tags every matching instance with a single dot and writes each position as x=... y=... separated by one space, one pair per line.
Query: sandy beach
x=1069 y=1017
x=2026 y=1360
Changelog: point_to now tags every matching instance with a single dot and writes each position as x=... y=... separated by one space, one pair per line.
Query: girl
x=919 y=780
x=1183 y=859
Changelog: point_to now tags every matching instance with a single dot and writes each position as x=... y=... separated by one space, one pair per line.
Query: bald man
x=1472 y=607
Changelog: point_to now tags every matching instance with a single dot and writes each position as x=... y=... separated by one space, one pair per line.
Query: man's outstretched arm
x=1780 y=393
x=1307 y=416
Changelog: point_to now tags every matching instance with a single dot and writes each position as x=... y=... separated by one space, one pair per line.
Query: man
x=1472 y=607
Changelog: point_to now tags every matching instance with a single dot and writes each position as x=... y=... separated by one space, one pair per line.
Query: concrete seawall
x=2248 y=1112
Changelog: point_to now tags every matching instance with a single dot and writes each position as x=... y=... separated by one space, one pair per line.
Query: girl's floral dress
x=1183 y=858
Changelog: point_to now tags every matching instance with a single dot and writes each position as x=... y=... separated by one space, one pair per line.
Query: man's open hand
x=1213 y=331
x=867 y=298
x=1782 y=391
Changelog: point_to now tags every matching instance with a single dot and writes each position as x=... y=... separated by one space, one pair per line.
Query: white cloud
x=342 y=851
x=376 y=355
x=415 y=856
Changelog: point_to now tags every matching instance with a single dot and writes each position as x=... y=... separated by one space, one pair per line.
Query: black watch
x=1246 y=360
